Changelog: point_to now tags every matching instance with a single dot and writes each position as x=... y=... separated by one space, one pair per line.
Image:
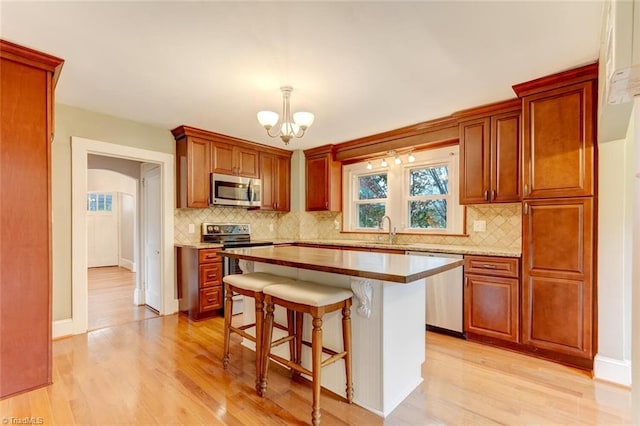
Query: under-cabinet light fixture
x=397 y=159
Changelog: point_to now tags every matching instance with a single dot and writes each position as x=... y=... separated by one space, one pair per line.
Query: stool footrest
x=282 y=340
x=333 y=358
x=324 y=349
x=292 y=365
x=243 y=333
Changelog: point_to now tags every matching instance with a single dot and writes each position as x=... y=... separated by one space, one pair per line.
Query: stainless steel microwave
x=229 y=190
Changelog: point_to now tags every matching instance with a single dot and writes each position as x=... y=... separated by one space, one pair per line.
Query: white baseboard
x=612 y=370
x=128 y=264
x=138 y=296
x=62 y=328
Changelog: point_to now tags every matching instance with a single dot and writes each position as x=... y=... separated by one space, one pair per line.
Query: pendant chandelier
x=291 y=126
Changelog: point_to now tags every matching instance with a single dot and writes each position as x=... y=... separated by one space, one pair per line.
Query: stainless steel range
x=231 y=235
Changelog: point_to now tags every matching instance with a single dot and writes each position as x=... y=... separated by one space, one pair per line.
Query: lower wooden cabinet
x=200 y=282
x=558 y=290
x=492 y=298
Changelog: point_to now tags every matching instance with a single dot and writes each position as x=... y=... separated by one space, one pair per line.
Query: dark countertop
x=397 y=268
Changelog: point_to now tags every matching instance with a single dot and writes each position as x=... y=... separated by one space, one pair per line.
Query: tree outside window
x=371 y=201
x=428 y=193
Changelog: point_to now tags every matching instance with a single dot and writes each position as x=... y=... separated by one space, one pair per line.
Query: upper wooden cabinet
x=323 y=179
x=559 y=114
x=275 y=175
x=234 y=160
x=193 y=165
x=490 y=153
x=200 y=153
x=27 y=81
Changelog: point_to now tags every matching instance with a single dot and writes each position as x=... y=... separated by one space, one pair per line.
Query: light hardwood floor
x=168 y=370
x=110 y=298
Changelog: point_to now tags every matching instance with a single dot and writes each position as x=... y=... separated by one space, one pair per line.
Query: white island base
x=388 y=336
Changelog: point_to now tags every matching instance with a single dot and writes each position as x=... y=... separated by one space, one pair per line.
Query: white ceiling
x=361 y=67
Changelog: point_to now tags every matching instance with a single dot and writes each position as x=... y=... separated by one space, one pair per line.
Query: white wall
x=125 y=190
x=635 y=350
x=109 y=181
x=615 y=199
x=127 y=248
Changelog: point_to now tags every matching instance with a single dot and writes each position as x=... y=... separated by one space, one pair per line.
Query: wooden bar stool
x=315 y=300
x=251 y=285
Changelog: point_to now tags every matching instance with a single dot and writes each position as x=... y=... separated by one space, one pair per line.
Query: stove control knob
x=214 y=228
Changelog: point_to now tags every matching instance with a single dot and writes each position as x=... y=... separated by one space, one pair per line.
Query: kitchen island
x=387 y=319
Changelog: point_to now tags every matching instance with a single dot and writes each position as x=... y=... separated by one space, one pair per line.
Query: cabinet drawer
x=210 y=298
x=492 y=265
x=209 y=255
x=210 y=274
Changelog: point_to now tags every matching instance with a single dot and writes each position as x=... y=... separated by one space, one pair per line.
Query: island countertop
x=399 y=268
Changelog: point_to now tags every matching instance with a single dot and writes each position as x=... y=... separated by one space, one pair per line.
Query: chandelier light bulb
x=411 y=158
x=397 y=160
x=369 y=165
x=384 y=162
x=293 y=126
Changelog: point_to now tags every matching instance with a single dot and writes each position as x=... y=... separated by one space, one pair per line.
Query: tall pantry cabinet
x=559 y=215
x=27 y=80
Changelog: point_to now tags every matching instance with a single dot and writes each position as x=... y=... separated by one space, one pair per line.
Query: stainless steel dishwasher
x=444 y=298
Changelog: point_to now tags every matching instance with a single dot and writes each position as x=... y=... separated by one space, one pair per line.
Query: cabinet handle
x=210 y=300
x=486 y=195
x=526 y=208
x=489 y=266
x=326 y=204
x=493 y=195
x=466 y=281
x=526 y=189
x=211 y=276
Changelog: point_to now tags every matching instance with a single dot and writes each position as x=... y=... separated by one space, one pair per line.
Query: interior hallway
x=110 y=296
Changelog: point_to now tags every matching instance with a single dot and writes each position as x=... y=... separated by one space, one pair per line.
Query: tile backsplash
x=503 y=226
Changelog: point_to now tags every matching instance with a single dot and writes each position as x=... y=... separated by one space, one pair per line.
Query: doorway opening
x=112 y=218
x=147 y=260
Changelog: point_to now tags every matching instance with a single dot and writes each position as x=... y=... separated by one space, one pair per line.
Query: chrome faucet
x=392 y=231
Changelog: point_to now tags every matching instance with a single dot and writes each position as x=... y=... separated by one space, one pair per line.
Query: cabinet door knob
x=526 y=208
x=486 y=195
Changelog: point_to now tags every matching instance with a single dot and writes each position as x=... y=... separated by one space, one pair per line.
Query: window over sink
x=419 y=197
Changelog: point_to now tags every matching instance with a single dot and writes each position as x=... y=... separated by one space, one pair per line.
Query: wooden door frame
x=80 y=149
